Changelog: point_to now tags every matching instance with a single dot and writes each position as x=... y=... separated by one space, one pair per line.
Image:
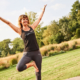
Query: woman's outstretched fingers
x=44 y=7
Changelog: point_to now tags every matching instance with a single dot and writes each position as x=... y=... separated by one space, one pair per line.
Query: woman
x=31 y=48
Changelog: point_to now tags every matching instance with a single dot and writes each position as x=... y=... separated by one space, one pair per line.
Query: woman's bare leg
x=32 y=64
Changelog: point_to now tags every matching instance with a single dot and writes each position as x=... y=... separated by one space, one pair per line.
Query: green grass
x=58 y=67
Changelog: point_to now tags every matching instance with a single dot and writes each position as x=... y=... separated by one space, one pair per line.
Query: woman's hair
x=20 y=18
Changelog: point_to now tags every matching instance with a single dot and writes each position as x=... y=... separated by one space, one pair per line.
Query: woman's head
x=20 y=19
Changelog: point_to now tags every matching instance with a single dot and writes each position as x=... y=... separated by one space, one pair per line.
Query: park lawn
x=58 y=67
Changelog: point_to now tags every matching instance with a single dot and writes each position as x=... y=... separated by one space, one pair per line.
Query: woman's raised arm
x=35 y=24
x=16 y=29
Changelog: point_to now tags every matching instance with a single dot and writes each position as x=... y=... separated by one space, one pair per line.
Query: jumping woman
x=31 y=50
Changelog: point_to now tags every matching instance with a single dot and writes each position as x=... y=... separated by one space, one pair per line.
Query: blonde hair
x=20 y=18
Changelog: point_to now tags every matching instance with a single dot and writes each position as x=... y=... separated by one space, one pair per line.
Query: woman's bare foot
x=35 y=66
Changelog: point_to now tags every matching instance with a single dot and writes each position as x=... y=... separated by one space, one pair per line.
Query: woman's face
x=24 y=21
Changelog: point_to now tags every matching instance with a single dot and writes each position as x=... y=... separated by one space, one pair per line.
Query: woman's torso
x=29 y=39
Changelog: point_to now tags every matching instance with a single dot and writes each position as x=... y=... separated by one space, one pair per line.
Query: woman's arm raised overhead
x=16 y=29
x=35 y=24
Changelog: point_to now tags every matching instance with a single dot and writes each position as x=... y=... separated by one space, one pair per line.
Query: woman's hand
x=44 y=7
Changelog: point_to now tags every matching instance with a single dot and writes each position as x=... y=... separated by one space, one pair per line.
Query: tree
x=17 y=44
x=75 y=17
x=78 y=18
x=78 y=32
x=75 y=8
x=50 y=32
x=59 y=37
x=38 y=33
x=4 y=47
x=32 y=16
x=64 y=28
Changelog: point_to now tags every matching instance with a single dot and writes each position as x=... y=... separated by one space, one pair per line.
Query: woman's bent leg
x=22 y=63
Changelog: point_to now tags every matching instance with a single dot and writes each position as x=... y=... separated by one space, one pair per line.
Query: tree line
x=67 y=28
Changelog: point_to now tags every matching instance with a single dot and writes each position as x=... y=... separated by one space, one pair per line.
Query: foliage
x=13 y=61
x=75 y=17
x=4 y=47
x=74 y=37
x=50 y=53
x=59 y=37
x=50 y=32
x=64 y=46
x=44 y=52
x=78 y=32
x=17 y=44
x=4 y=66
x=32 y=16
x=38 y=33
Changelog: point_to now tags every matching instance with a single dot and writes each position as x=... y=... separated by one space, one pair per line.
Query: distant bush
x=78 y=46
x=73 y=46
x=75 y=42
x=74 y=37
x=44 y=52
x=61 y=51
x=4 y=66
x=18 y=52
x=54 y=53
x=50 y=53
x=51 y=39
x=59 y=37
x=78 y=32
x=64 y=46
x=13 y=61
x=50 y=48
x=17 y=57
x=45 y=41
x=70 y=49
x=56 y=47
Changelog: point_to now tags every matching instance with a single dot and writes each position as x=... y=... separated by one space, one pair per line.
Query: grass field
x=58 y=67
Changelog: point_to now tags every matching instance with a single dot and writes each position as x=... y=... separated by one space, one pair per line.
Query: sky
x=12 y=9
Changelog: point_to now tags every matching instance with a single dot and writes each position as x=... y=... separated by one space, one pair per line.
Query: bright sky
x=11 y=9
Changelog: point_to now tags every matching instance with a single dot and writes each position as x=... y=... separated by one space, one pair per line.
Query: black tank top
x=29 y=39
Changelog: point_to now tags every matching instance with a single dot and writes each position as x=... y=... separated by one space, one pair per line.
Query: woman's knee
x=21 y=68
